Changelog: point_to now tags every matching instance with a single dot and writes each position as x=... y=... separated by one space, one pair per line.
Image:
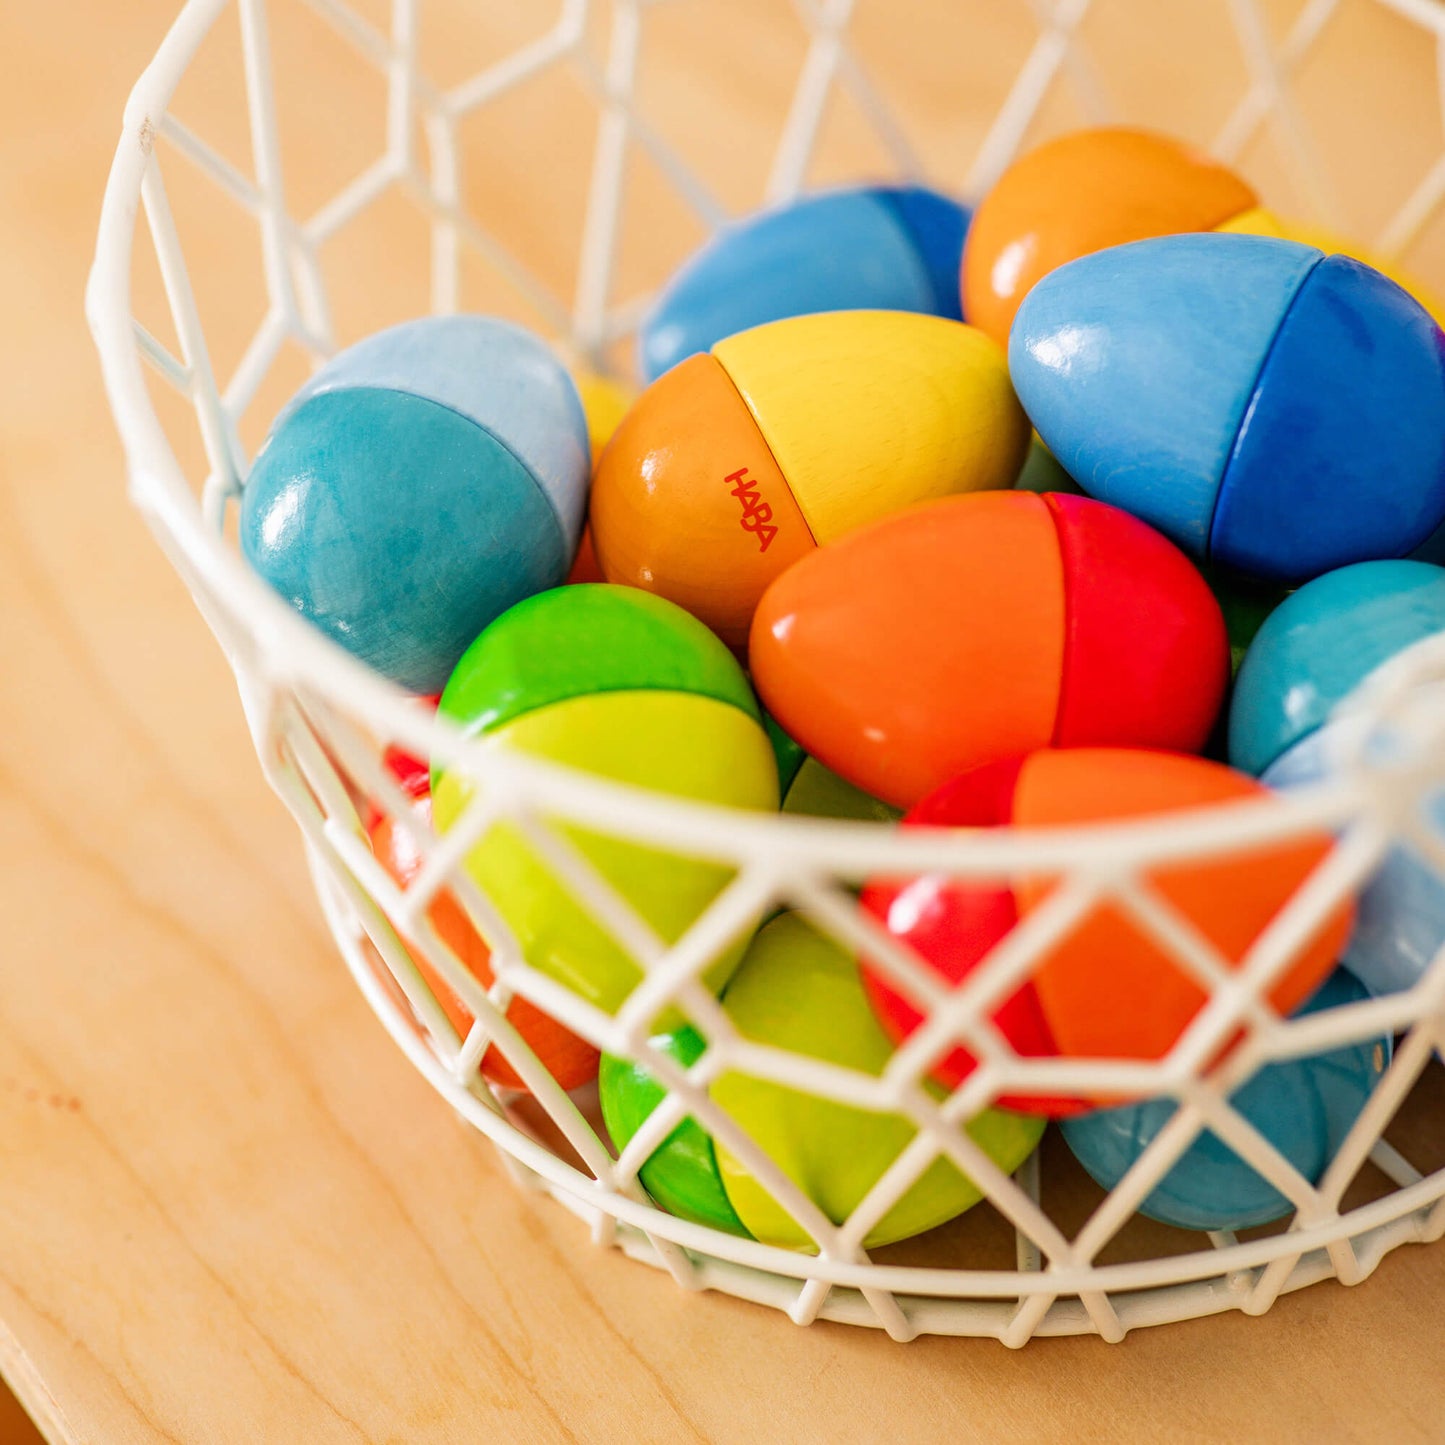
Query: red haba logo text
x=757 y=516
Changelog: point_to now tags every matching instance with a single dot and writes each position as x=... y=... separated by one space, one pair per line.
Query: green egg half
x=681 y=1173
x=625 y=686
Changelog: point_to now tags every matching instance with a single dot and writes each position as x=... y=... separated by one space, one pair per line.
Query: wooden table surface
x=229 y=1209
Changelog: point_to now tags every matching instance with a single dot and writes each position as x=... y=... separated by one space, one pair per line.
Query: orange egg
x=983 y=626
x=1108 y=970
x=742 y=459
x=570 y=1060
x=1085 y=191
x=690 y=543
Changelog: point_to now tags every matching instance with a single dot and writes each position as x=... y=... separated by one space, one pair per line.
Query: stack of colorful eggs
x=823 y=573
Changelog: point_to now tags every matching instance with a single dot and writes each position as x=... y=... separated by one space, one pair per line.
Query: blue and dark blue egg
x=1304 y=1107
x=880 y=248
x=1270 y=408
x=1311 y=652
x=421 y=483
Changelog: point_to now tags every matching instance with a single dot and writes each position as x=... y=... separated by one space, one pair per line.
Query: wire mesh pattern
x=320 y=721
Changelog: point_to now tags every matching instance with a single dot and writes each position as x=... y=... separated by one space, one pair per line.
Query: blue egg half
x=1319 y=644
x=1400 y=913
x=874 y=248
x=1304 y=1107
x=416 y=487
x=1270 y=408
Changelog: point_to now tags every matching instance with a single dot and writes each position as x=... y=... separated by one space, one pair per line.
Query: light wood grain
x=229 y=1210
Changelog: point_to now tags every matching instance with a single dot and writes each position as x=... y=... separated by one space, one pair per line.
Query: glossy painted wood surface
x=1079 y=194
x=868 y=412
x=229 y=1209
x=840 y=250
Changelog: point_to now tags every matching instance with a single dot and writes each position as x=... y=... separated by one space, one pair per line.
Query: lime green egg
x=800 y=991
x=622 y=685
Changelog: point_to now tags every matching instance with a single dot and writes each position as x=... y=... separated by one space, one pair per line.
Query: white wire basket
x=295 y=144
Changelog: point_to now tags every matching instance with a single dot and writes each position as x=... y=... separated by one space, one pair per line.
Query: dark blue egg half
x=1277 y=411
x=1341 y=454
x=873 y=248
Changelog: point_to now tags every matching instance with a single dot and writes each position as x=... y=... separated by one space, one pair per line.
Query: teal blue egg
x=1319 y=644
x=1304 y=1107
x=1310 y=653
x=416 y=487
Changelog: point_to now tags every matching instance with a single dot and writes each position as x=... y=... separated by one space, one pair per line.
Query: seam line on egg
x=1053 y=514
x=767 y=445
x=486 y=431
x=642 y=690
x=1249 y=406
x=887 y=199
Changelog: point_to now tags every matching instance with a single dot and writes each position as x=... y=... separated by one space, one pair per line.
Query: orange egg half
x=1081 y=193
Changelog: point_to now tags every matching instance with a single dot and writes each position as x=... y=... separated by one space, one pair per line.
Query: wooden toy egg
x=883 y=248
x=818 y=792
x=1276 y=410
x=570 y=1060
x=1319 y=644
x=1105 y=186
x=785 y=438
x=982 y=627
x=1305 y=1107
x=1081 y=193
x=1107 y=989
x=624 y=685
x=681 y=1174
x=1310 y=653
x=798 y=990
x=417 y=486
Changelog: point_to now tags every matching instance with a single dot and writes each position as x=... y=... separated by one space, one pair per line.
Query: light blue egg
x=877 y=248
x=1319 y=644
x=1304 y=1107
x=1400 y=914
x=1137 y=364
x=496 y=373
x=1274 y=410
x=418 y=486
